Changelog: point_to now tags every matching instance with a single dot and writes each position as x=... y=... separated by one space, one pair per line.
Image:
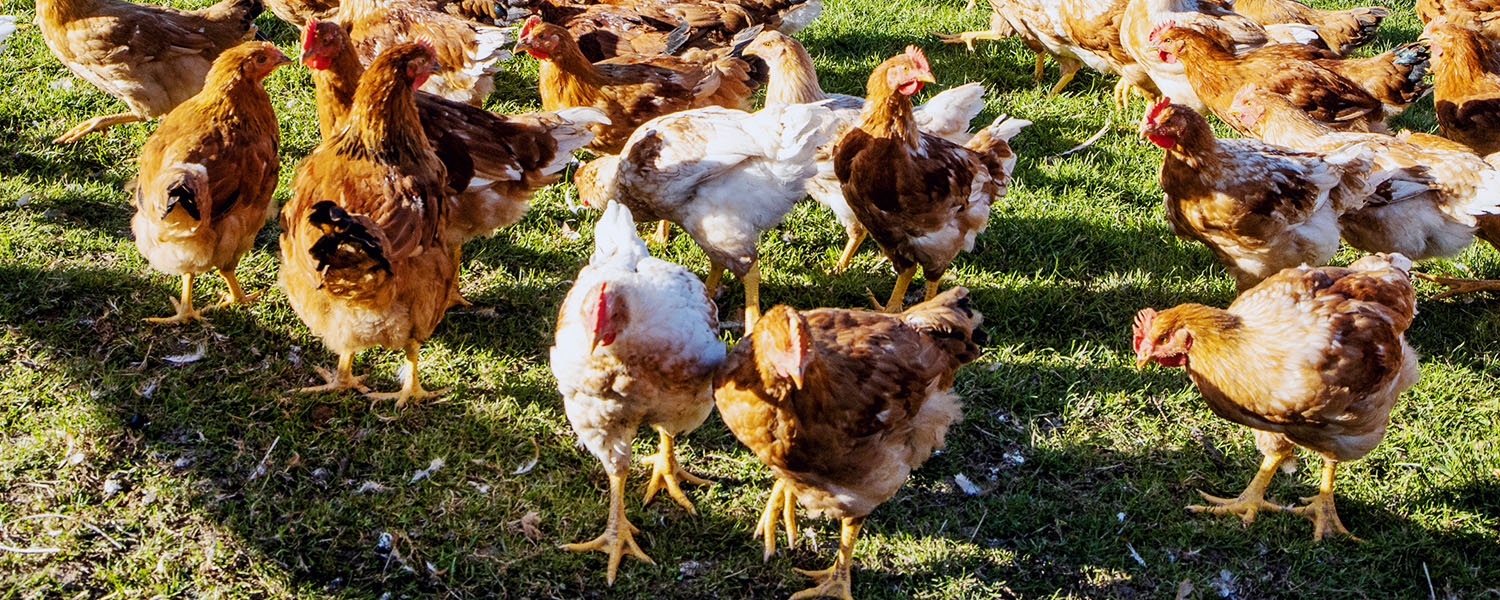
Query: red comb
x=1142 y=323
x=531 y=23
x=307 y=33
x=918 y=58
x=1156 y=109
x=1157 y=31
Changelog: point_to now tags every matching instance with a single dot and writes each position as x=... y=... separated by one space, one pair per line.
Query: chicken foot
x=715 y=275
x=850 y=249
x=1069 y=68
x=412 y=388
x=456 y=296
x=666 y=473
x=236 y=294
x=782 y=503
x=1458 y=285
x=619 y=535
x=752 y=296
x=344 y=379
x=99 y=123
x=837 y=580
x=185 y=310
x=1252 y=500
x=663 y=232
x=1320 y=508
x=968 y=38
x=898 y=294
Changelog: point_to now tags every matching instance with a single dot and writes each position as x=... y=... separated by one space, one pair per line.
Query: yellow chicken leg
x=666 y=472
x=835 y=581
x=850 y=249
x=99 y=123
x=752 y=297
x=1250 y=501
x=412 y=388
x=344 y=379
x=1069 y=69
x=1320 y=508
x=1458 y=286
x=781 y=503
x=185 y=310
x=236 y=294
x=931 y=291
x=715 y=275
x=618 y=537
x=1040 y=69
x=968 y=38
x=456 y=296
x=898 y=295
x=663 y=232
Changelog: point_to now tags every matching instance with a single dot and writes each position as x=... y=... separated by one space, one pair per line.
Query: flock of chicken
x=840 y=404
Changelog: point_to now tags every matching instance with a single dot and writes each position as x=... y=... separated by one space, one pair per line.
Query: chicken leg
x=412 y=388
x=898 y=295
x=1069 y=68
x=185 y=310
x=752 y=296
x=931 y=291
x=619 y=534
x=850 y=249
x=968 y=38
x=715 y=275
x=666 y=471
x=1250 y=501
x=1458 y=286
x=835 y=581
x=1320 y=508
x=236 y=294
x=663 y=232
x=781 y=503
x=456 y=296
x=96 y=124
x=342 y=380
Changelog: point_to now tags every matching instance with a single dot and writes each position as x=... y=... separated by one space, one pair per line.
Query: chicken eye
x=260 y=59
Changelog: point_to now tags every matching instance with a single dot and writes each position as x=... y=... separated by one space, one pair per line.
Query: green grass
x=209 y=479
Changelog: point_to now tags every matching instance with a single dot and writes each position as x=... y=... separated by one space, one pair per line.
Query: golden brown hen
x=842 y=405
x=150 y=57
x=1467 y=94
x=613 y=28
x=207 y=174
x=365 y=259
x=1312 y=357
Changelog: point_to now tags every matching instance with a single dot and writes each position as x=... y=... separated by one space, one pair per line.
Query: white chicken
x=637 y=343
x=793 y=80
x=7 y=27
x=722 y=175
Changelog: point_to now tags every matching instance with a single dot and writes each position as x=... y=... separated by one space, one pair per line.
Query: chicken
x=1228 y=29
x=299 y=12
x=495 y=162
x=1075 y=32
x=1312 y=357
x=1341 y=30
x=1259 y=208
x=1467 y=94
x=1428 y=210
x=605 y=30
x=7 y=28
x=637 y=343
x=1318 y=86
x=842 y=405
x=632 y=90
x=1483 y=15
x=923 y=198
x=150 y=57
x=207 y=174
x=723 y=175
x=466 y=50
x=365 y=260
x=793 y=80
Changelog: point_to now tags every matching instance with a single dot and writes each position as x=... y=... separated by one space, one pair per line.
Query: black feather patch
x=181 y=195
x=341 y=231
x=677 y=39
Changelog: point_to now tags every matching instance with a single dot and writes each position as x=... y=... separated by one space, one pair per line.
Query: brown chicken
x=1074 y=32
x=207 y=174
x=922 y=198
x=1313 y=357
x=1467 y=94
x=842 y=405
x=1483 y=15
x=365 y=261
x=495 y=162
x=1342 y=30
x=1259 y=208
x=1350 y=95
x=150 y=57
x=633 y=90
x=467 y=51
x=299 y=12
x=613 y=28
x=1428 y=208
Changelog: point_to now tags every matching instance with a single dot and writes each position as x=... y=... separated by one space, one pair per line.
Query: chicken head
x=784 y=341
x=1160 y=340
x=909 y=75
x=606 y=313
x=1164 y=123
x=539 y=39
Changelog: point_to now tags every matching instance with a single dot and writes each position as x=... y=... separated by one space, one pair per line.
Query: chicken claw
x=99 y=123
x=184 y=306
x=666 y=472
x=780 y=501
x=343 y=379
x=835 y=581
x=619 y=534
x=236 y=294
x=968 y=38
x=1320 y=508
x=1252 y=500
x=1458 y=285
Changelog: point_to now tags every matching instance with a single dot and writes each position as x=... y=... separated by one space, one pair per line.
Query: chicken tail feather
x=951 y=321
x=350 y=250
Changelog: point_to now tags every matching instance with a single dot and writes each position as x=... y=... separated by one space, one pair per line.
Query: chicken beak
x=797 y=379
x=1141 y=362
x=926 y=78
